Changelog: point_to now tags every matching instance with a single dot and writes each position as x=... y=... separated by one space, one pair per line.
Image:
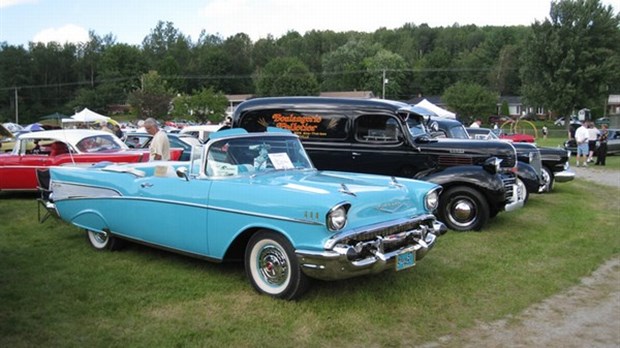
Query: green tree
x=393 y=65
x=153 y=98
x=470 y=100
x=343 y=69
x=286 y=77
x=206 y=105
x=572 y=57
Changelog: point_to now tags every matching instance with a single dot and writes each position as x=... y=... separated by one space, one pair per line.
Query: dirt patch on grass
x=587 y=315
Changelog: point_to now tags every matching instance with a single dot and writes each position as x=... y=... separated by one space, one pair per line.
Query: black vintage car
x=528 y=168
x=553 y=164
x=391 y=138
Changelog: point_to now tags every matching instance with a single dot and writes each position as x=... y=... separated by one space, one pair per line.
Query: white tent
x=436 y=109
x=87 y=115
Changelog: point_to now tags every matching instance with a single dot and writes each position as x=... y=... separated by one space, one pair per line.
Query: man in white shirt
x=160 y=145
x=476 y=124
x=581 y=137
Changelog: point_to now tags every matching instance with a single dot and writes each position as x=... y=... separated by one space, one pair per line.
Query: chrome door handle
x=146 y=184
x=356 y=154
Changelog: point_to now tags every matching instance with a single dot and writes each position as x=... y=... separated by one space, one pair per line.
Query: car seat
x=58 y=148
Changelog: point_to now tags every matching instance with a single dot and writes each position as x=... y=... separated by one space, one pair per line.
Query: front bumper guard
x=517 y=200
x=341 y=261
x=564 y=176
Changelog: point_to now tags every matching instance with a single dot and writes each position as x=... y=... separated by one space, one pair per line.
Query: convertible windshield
x=229 y=157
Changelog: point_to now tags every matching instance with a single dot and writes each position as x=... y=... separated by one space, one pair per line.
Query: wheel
x=462 y=208
x=548 y=179
x=103 y=240
x=272 y=267
x=522 y=193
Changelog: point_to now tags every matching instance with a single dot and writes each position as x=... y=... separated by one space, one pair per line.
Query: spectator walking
x=593 y=134
x=160 y=145
x=602 y=148
x=581 y=137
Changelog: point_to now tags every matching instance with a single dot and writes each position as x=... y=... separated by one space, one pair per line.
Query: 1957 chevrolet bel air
x=256 y=197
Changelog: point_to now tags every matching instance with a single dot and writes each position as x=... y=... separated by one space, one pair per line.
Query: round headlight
x=337 y=217
x=431 y=200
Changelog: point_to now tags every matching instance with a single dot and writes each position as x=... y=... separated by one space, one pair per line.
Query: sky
x=130 y=21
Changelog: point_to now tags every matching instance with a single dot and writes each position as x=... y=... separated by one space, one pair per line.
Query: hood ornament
x=344 y=189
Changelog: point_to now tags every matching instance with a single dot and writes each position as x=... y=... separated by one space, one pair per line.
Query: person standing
x=545 y=131
x=593 y=134
x=602 y=148
x=160 y=145
x=581 y=137
x=476 y=123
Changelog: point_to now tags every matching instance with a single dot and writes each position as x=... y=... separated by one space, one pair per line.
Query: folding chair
x=44 y=200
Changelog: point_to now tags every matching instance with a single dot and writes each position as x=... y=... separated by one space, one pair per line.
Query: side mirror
x=182 y=173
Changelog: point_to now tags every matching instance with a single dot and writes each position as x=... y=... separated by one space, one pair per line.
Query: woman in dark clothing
x=602 y=148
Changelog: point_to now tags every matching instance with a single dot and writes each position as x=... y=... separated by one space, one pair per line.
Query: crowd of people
x=586 y=137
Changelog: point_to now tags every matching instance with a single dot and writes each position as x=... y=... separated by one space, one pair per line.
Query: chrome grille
x=509 y=180
x=536 y=162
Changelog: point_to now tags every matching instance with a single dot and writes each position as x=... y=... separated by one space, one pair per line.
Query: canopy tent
x=87 y=115
x=436 y=109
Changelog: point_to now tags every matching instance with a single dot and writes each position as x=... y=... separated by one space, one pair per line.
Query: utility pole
x=384 y=82
x=16 y=107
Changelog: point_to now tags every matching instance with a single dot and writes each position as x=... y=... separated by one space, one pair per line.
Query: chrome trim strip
x=195 y=205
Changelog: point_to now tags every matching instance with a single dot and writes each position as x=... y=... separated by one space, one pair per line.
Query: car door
x=18 y=172
x=378 y=145
x=172 y=211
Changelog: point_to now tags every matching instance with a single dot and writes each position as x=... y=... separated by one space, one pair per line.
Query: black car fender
x=490 y=185
x=529 y=176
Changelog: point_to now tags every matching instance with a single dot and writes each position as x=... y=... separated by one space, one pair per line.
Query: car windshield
x=248 y=155
x=416 y=126
x=458 y=132
x=98 y=143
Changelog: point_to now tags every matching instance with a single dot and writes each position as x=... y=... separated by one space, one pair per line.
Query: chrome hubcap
x=463 y=212
x=273 y=265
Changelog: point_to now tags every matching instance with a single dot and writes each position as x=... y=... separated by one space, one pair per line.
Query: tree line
x=569 y=61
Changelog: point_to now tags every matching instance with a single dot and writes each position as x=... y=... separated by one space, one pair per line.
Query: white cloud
x=258 y=18
x=9 y=3
x=68 y=33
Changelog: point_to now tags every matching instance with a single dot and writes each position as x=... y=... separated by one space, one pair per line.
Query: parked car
x=602 y=120
x=554 y=162
x=81 y=147
x=201 y=131
x=560 y=121
x=7 y=140
x=256 y=197
x=515 y=137
x=613 y=143
x=182 y=141
x=390 y=138
x=527 y=170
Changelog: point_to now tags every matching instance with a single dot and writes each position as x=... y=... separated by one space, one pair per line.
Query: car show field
x=57 y=291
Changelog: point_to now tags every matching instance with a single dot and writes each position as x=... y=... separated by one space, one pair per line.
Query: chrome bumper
x=564 y=176
x=517 y=200
x=346 y=261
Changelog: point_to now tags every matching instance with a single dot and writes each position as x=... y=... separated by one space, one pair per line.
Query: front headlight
x=431 y=200
x=492 y=165
x=336 y=218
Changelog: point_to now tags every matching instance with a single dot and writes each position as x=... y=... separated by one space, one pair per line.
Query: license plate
x=405 y=260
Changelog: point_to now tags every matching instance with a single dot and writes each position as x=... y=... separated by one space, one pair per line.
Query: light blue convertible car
x=256 y=197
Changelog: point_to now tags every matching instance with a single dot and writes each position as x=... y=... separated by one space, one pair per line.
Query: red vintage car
x=63 y=147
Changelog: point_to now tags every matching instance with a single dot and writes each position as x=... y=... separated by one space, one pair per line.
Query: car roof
x=71 y=136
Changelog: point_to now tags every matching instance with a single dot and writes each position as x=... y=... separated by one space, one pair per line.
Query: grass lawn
x=57 y=291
